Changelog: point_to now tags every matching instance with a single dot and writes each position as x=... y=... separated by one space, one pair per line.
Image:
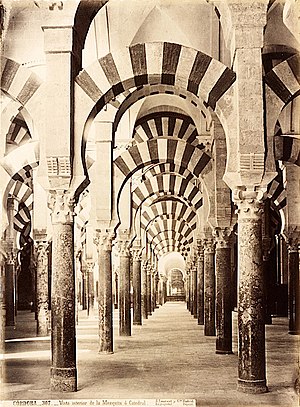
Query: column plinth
x=103 y=242
x=209 y=288
x=63 y=336
x=223 y=291
x=251 y=326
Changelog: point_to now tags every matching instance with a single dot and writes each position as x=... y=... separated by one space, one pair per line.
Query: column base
x=196 y=316
x=105 y=352
x=252 y=386
x=63 y=379
x=209 y=332
x=294 y=332
x=137 y=323
x=224 y=352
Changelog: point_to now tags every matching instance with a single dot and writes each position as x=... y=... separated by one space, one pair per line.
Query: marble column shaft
x=103 y=242
x=251 y=327
x=10 y=291
x=144 y=291
x=137 y=288
x=42 y=299
x=209 y=288
x=124 y=291
x=195 y=291
x=294 y=288
x=149 y=292
x=200 y=282
x=223 y=293
x=63 y=334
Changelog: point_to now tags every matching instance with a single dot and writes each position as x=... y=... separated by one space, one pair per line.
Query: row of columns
x=209 y=293
x=211 y=273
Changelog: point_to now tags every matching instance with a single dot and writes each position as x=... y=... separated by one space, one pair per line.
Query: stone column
x=200 y=283
x=164 y=289
x=251 y=327
x=103 y=242
x=266 y=244
x=223 y=291
x=137 y=286
x=209 y=287
x=195 y=289
x=63 y=341
x=90 y=282
x=124 y=288
x=294 y=283
x=153 y=290
x=10 y=289
x=187 y=285
x=160 y=291
x=149 y=290
x=144 y=290
x=10 y=266
x=42 y=300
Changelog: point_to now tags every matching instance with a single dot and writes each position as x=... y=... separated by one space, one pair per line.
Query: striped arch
x=167 y=246
x=287 y=149
x=175 y=209
x=154 y=89
x=168 y=184
x=169 y=168
x=163 y=239
x=166 y=124
x=26 y=156
x=19 y=82
x=162 y=150
x=152 y=63
x=164 y=222
x=18 y=134
x=284 y=79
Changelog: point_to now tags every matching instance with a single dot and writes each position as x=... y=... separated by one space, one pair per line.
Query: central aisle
x=167 y=357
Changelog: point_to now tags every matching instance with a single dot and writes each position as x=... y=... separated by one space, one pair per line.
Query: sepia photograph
x=150 y=203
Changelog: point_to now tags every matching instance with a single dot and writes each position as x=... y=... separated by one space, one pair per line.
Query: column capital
x=223 y=237
x=103 y=239
x=61 y=203
x=292 y=238
x=209 y=245
x=249 y=202
x=123 y=246
x=136 y=253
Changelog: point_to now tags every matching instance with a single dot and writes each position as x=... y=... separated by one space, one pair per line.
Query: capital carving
x=223 y=237
x=61 y=204
x=293 y=239
x=136 y=253
x=123 y=247
x=103 y=239
x=249 y=203
x=209 y=246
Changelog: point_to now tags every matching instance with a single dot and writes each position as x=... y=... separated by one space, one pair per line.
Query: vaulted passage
x=167 y=357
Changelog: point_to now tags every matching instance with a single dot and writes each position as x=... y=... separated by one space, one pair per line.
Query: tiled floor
x=167 y=357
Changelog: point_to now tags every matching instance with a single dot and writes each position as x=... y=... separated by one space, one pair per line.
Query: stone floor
x=167 y=357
